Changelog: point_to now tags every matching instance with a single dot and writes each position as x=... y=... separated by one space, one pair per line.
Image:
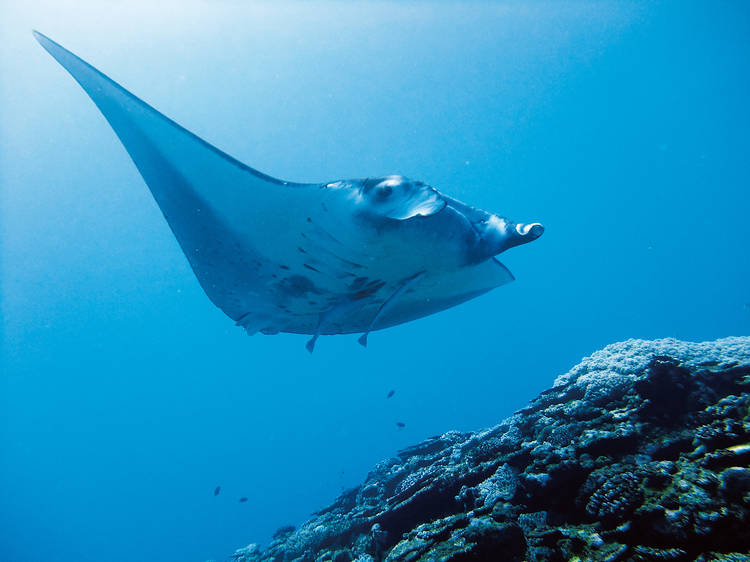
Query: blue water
x=126 y=397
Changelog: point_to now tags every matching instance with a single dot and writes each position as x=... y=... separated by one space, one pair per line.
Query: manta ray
x=345 y=256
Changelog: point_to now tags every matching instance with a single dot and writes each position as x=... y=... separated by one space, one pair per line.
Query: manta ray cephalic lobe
x=347 y=256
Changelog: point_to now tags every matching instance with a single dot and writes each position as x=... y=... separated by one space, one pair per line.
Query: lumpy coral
x=640 y=452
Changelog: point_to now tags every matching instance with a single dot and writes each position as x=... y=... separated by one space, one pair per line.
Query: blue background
x=126 y=397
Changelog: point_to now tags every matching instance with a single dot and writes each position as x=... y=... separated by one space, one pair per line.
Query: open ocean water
x=126 y=397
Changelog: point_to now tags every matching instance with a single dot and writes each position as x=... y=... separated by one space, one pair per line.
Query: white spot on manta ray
x=346 y=256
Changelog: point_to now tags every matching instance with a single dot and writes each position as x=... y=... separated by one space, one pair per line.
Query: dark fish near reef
x=243 y=500
x=391 y=393
x=217 y=490
x=346 y=256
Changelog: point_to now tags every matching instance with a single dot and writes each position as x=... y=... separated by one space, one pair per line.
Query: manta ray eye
x=382 y=192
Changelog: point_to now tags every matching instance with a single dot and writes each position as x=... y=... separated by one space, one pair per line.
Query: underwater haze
x=127 y=398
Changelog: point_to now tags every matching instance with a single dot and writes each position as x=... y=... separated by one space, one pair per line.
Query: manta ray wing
x=235 y=225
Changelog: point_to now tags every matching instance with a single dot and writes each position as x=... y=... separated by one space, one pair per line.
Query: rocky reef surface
x=640 y=452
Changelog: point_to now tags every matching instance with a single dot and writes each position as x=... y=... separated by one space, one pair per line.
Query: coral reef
x=640 y=452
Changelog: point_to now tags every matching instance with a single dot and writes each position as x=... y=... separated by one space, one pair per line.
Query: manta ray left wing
x=229 y=219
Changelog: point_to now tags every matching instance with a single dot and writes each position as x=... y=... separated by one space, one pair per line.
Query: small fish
x=243 y=500
x=391 y=393
x=401 y=425
x=217 y=490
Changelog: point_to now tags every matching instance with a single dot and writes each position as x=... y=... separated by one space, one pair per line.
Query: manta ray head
x=463 y=235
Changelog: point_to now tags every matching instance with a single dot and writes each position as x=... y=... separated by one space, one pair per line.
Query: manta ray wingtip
x=58 y=52
x=42 y=38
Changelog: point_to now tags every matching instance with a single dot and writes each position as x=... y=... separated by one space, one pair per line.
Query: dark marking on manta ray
x=391 y=393
x=242 y=500
x=298 y=286
x=357 y=283
x=217 y=490
x=359 y=295
x=347 y=262
x=371 y=288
